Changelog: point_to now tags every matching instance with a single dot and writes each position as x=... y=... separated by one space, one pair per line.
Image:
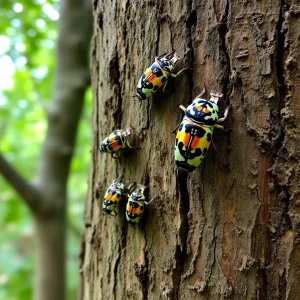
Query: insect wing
x=191 y=145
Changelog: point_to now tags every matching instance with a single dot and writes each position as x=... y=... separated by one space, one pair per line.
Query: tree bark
x=230 y=229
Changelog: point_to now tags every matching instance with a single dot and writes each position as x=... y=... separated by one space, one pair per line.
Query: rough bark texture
x=230 y=230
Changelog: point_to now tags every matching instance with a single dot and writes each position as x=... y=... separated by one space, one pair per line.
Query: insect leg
x=182 y=108
x=213 y=145
x=115 y=157
x=219 y=126
x=225 y=114
x=131 y=147
x=130 y=188
x=117 y=179
x=151 y=200
x=204 y=90
x=114 y=214
x=137 y=97
x=175 y=129
x=165 y=85
x=166 y=54
x=178 y=73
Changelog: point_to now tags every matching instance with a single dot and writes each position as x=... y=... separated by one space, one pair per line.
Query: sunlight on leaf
x=28 y=33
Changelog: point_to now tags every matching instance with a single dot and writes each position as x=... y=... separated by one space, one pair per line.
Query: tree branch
x=28 y=193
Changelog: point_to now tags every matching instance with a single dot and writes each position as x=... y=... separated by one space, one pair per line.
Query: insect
x=112 y=196
x=157 y=75
x=136 y=204
x=116 y=141
x=194 y=134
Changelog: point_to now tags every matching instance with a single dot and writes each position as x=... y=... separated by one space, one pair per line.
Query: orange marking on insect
x=115 y=146
x=112 y=138
x=152 y=78
x=195 y=143
x=186 y=139
x=198 y=108
x=206 y=110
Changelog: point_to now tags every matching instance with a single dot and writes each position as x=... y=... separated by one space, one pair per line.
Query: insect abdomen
x=113 y=143
x=191 y=145
x=152 y=79
x=112 y=197
x=134 y=211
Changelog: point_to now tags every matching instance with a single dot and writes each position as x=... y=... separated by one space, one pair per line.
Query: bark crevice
x=181 y=248
x=114 y=69
x=223 y=234
x=223 y=30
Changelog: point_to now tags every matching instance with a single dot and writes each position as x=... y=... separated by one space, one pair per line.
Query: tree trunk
x=230 y=229
x=71 y=80
x=47 y=196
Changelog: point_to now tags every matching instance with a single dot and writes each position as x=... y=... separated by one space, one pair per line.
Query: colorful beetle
x=136 y=204
x=112 y=196
x=195 y=132
x=157 y=75
x=116 y=141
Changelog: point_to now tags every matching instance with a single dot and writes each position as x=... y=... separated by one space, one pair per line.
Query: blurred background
x=28 y=35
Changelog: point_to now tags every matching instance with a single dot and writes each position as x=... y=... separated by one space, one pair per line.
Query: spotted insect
x=116 y=141
x=195 y=132
x=112 y=196
x=136 y=204
x=157 y=75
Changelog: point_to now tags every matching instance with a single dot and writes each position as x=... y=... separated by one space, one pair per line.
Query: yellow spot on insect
x=183 y=137
x=148 y=72
x=111 y=139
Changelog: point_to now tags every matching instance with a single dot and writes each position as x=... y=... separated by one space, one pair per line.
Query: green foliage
x=28 y=31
